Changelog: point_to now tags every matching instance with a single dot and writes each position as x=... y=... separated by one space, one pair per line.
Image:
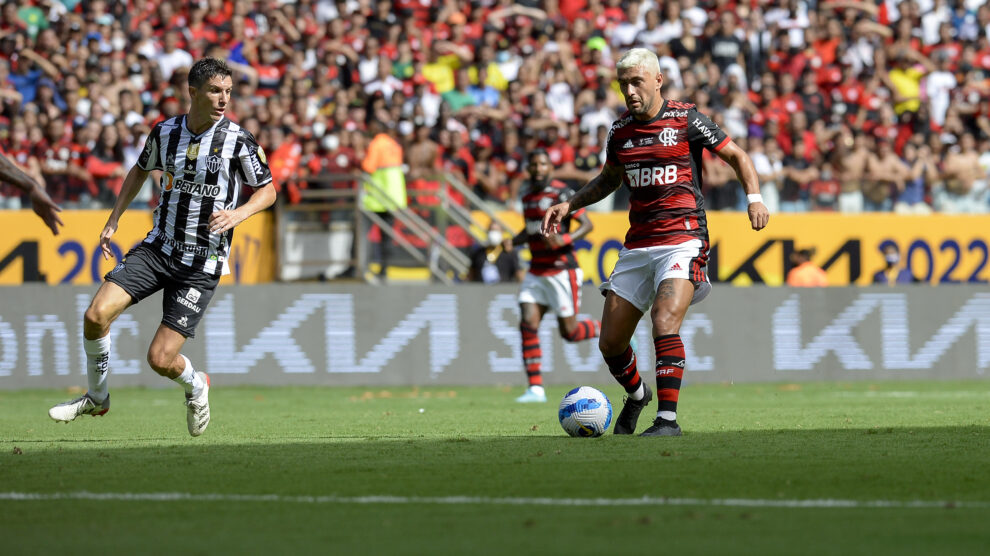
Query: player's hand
x=759 y=216
x=223 y=220
x=47 y=209
x=105 y=236
x=554 y=216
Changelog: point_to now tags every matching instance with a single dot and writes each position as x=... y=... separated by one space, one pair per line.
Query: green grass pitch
x=838 y=468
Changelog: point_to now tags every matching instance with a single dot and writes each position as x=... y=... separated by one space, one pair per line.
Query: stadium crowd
x=843 y=105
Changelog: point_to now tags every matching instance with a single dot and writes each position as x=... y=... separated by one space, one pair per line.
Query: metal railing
x=339 y=211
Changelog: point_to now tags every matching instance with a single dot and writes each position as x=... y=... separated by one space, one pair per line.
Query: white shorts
x=638 y=272
x=560 y=292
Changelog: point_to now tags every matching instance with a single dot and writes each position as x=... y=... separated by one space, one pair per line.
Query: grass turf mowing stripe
x=482 y=500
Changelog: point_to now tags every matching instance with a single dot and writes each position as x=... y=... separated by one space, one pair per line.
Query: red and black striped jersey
x=661 y=163
x=536 y=200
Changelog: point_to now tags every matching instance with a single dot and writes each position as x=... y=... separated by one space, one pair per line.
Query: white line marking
x=487 y=501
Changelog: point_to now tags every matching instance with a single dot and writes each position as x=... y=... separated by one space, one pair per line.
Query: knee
x=529 y=318
x=97 y=316
x=611 y=347
x=665 y=322
x=567 y=333
x=159 y=360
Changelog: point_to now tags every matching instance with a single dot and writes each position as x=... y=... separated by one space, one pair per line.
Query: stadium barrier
x=30 y=253
x=940 y=249
x=464 y=335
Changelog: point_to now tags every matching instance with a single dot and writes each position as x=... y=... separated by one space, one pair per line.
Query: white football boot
x=198 y=408
x=532 y=396
x=83 y=405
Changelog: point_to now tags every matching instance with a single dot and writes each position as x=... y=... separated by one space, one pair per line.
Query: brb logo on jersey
x=668 y=137
x=652 y=175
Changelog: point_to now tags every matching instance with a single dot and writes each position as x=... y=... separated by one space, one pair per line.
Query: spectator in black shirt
x=495 y=261
x=726 y=48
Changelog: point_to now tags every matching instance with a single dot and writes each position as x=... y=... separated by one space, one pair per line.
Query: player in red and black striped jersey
x=554 y=280
x=655 y=150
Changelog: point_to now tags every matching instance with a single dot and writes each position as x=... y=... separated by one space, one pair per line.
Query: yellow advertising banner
x=939 y=249
x=30 y=253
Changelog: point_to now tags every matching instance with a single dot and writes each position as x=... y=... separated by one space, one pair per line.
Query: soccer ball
x=585 y=411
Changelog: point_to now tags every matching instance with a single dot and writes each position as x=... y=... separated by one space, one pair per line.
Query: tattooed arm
x=598 y=188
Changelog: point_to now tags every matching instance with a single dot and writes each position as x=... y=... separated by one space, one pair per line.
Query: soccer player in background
x=205 y=159
x=554 y=280
x=655 y=149
x=40 y=201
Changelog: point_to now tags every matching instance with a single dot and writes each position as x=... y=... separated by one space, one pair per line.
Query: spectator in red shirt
x=105 y=165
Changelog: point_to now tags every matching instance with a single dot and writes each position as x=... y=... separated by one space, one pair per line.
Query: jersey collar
x=185 y=125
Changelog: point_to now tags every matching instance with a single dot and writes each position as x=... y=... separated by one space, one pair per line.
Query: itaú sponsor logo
x=171 y=183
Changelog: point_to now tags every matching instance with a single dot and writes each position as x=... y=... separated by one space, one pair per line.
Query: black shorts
x=145 y=270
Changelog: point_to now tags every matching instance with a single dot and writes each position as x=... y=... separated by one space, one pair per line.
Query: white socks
x=190 y=379
x=97 y=366
x=639 y=393
x=668 y=415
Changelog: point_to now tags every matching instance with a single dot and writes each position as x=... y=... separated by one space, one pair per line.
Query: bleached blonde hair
x=639 y=57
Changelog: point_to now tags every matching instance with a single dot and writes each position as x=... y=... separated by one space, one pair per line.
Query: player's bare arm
x=733 y=154
x=41 y=203
x=262 y=198
x=132 y=185
x=601 y=186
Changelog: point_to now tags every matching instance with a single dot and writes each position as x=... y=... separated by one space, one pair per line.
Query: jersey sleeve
x=253 y=162
x=150 y=158
x=701 y=129
x=610 y=156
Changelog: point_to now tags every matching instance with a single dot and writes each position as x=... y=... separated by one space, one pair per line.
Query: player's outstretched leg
x=108 y=303
x=532 y=355
x=582 y=330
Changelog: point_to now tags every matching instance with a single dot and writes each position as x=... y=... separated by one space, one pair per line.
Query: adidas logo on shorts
x=677 y=266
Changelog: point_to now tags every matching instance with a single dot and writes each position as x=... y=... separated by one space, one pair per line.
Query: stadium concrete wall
x=402 y=335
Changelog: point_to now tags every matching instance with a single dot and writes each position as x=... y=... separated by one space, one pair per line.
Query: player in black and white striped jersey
x=205 y=159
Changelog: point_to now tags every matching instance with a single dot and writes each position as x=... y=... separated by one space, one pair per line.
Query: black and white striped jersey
x=201 y=175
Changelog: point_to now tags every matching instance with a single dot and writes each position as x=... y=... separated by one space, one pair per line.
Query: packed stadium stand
x=844 y=105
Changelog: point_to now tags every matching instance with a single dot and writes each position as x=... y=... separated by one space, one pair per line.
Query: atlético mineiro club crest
x=214 y=163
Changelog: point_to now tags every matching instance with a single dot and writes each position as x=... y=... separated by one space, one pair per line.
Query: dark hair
x=536 y=152
x=203 y=70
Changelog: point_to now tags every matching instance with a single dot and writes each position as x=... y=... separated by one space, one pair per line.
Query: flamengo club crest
x=214 y=163
x=668 y=137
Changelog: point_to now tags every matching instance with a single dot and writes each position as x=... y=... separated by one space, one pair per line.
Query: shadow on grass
x=945 y=463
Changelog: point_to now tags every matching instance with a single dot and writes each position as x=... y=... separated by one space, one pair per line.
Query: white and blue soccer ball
x=585 y=411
